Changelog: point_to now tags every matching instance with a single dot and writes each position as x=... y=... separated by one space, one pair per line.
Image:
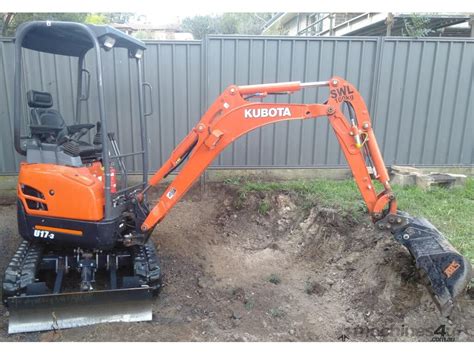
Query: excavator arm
x=234 y=114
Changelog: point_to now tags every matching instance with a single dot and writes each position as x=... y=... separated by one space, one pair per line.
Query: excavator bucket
x=447 y=270
x=70 y=310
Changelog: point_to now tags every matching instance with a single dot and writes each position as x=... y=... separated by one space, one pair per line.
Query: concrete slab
x=427 y=181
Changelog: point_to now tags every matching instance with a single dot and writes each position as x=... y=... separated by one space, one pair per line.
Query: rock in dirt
x=239 y=294
x=203 y=282
x=314 y=287
x=236 y=314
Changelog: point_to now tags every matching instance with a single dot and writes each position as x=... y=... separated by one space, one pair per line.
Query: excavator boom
x=235 y=113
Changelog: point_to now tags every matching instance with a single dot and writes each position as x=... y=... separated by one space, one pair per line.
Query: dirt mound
x=355 y=273
x=269 y=266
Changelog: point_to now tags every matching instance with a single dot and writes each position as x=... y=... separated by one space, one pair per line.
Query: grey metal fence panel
x=419 y=93
x=174 y=71
x=8 y=162
x=250 y=60
x=424 y=101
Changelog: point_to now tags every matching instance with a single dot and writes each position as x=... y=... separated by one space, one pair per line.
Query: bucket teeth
x=447 y=270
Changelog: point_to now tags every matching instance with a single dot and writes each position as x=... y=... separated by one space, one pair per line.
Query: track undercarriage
x=49 y=288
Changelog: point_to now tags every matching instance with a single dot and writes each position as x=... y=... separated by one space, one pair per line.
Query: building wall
x=417 y=91
x=373 y=23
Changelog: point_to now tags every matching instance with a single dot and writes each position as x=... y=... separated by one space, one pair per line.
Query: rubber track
x=147 y=265
x=21 y=271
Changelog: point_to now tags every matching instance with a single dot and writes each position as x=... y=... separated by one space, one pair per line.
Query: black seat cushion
x=48 y=125
x=47 y=117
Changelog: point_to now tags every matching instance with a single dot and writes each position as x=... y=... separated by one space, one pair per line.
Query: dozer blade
x=70 y=310
x=446 y=269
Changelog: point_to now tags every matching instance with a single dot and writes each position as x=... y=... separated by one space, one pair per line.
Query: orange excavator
x=86 y=232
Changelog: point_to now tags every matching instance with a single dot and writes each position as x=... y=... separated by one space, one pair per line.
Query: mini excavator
x=87 y=256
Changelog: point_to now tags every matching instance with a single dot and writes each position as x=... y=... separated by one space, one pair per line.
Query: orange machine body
x=62 y=191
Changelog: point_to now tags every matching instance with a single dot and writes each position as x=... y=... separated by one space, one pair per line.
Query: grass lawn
x=450 y=210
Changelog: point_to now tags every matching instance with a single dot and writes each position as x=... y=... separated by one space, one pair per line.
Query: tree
x=5 y=21
x=103 y=18
x=199 y=25
x=96 y=19
x=417 y=26
x=117 y=17
x=248 y=23
x=12 y=20
x=228 y=23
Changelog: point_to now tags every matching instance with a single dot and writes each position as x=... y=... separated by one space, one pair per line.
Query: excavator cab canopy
x=45 y=130
x=72 y=40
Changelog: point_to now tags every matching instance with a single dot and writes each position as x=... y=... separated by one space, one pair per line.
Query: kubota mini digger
x=79 y=224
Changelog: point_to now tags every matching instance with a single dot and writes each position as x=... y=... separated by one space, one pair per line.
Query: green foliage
x=274 y=279
x=96 y=19
x=263 y=207
x=239 y=202
x=117 y=17
x=10 y=21
x=228 y=23
x=417 y=26
x=249 y=304
x=233 y=180
x=450 y=210
x=244 y=23
x=277 y=313
x=103 y=18
x=15 y=19
x=199 y=25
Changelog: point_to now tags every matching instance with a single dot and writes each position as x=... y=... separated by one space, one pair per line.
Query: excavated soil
x=260 y=267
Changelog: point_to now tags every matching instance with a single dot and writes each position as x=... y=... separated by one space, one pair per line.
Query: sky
x=160 y=12
x=168 y=17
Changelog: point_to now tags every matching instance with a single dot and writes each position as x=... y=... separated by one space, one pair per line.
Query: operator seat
x=48 y=126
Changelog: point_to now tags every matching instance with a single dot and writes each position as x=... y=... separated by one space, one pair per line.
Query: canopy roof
x=69 y=38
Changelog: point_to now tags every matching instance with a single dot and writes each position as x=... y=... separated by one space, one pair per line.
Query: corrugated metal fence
x=419 y=93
